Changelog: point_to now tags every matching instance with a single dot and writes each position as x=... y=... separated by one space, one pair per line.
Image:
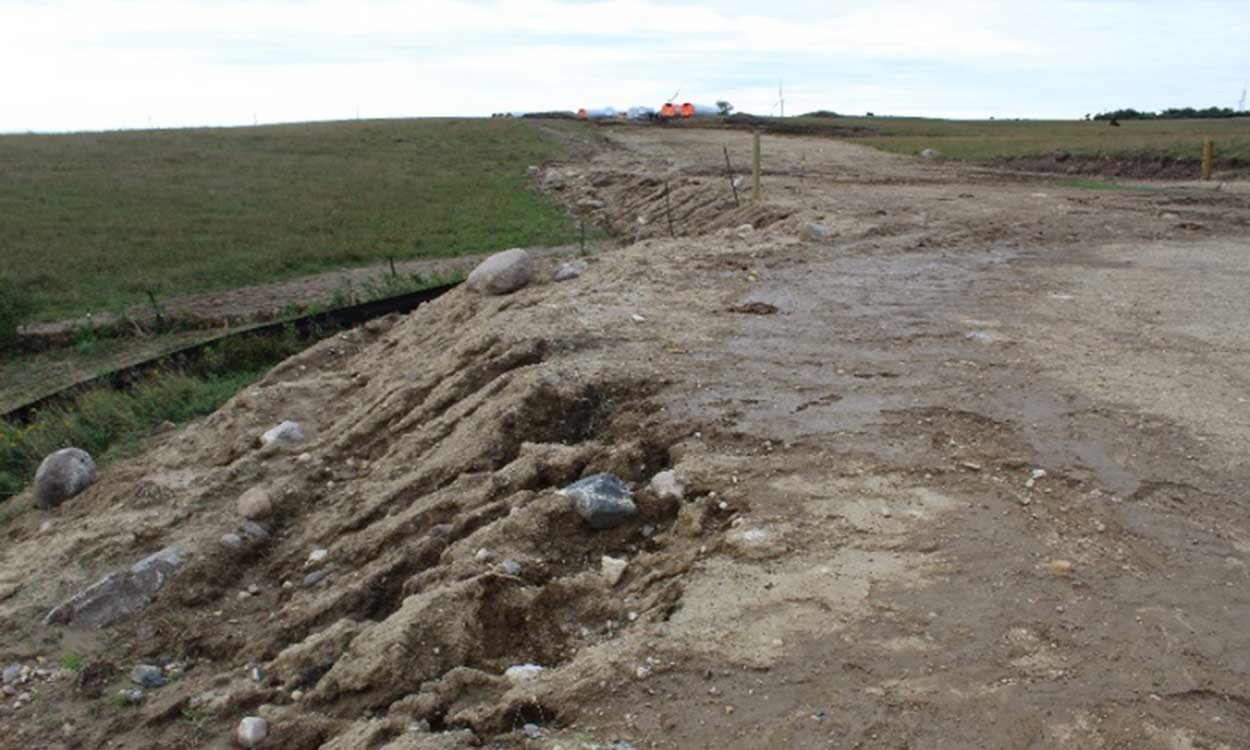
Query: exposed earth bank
x=962 y=463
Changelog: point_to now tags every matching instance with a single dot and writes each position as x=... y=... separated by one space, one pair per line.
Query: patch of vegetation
x=1091 y=184
x=1173 y=113
x=996 y=139
x=72 y=661
x=99 y=221
x=15 y=309
x=109 y=424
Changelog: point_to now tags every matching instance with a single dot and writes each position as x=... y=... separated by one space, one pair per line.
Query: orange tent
x=668 y=110
x=687 y=110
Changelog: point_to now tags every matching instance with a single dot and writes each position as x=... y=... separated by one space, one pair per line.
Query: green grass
x=109 y=424
x=991 y=139
x=93 y=221
x=1086 y=184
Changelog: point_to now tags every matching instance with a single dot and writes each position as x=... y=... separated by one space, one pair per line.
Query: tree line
x=1173 y=113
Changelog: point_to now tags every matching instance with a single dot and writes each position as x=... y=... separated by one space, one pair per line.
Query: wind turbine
x=781 y=100
x=1241 y=105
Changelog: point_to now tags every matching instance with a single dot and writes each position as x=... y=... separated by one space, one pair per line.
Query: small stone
x=603 y=500
x=131 y=696
x=252 y=731
x=231 y=541
x=257 y=674
x=62 y=475
x=931 y=153
x=304 y=457
x=533 y=731
x=483 y=555
x=522 y=672
x=570 y=270
x=243 y=595
x=814 y=232
x=12 y=674
x=553 y=181
x=1038 y=473
x=255 y=504
x=591 y=204
x=148 y=676
x=666 y=487
x=254 y=530
x=297 y=695
x=1061 y=568
x=511 y=567
x=315 y=577
x=316 y=557
x=613 y=569
x=253 y=589
x=502 y=273
x=285 y=433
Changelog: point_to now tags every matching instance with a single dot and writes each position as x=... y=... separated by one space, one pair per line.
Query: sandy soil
x=977 y=483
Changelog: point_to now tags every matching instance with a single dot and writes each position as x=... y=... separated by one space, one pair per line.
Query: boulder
x=62 y=475
x=603 y=500
x=502 y=273
x=118 y=594
x=570 y=270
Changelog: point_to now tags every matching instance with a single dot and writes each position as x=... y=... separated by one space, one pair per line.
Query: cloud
x=114 y=63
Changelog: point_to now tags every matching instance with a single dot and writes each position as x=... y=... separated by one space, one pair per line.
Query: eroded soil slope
x=978 y=482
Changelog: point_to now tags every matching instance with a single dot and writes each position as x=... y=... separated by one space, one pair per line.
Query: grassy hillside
x=989 y=139
x=93 y=221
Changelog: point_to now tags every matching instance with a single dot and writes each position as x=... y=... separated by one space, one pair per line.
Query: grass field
x=93 y=221
x=992 y=139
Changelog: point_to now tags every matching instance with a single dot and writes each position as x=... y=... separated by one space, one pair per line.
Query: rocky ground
x=958 y=461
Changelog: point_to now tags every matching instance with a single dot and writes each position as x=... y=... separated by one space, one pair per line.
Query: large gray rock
x=502 y=273
x=63 y=475
x=603 y=500
x=118 y=594
x=252 y=731
x=288 y=432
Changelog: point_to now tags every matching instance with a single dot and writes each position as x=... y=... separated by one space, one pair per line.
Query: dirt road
x=978 y=482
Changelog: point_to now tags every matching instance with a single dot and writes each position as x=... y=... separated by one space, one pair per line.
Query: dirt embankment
x=1136 y=166
x=963 y=465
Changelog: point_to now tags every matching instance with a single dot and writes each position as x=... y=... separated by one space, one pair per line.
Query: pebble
x=286 y=432
x=316 y=557
x=255 y=530
x=613 y=569
x=131 y=696
x=12 y=674
x=570 y=270
x=231 y=541
x=522 y=672
x=666 y=487
x=297 y=695
x=511 y=567
x=483 y=555
x=148 y=676
x=533 y=731
x=1060 y=567
x=315 y=577
x=252 y=731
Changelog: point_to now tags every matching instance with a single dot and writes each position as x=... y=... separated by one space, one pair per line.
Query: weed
x=15 y=308
x=72 y=661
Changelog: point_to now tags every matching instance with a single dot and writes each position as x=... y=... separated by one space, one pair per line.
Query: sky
x=72 y=65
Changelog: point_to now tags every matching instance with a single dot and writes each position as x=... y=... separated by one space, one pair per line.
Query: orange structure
x=668 y=110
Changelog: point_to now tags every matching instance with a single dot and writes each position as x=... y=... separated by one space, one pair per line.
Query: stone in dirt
x=118 y=594
x=255 y=504
x=62 y=475
x=666 y=487
x=148 y=676
x=931 y=153
x=522 y=672
x=286 y=433
x=815 y=232
x=570 y=270
x=252 y=731
x=613 y=569
x=603 y=500
x=502 y=273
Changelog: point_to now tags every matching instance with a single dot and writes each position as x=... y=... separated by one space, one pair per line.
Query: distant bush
x=1174 y=113
x=15 y=308
x=823 y=113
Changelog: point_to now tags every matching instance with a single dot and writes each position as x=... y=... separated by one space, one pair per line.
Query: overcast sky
x=102 y=64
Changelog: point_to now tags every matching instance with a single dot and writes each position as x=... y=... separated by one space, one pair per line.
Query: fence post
x=755 y=167
x=1208 y=158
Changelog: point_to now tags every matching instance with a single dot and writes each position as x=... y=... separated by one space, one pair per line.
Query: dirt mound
x=1139 y=166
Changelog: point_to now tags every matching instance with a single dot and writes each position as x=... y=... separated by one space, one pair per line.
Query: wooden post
x=668 y=209
x=729 y=170
x=581 y=225
x=755 y=167
x=1208 y=158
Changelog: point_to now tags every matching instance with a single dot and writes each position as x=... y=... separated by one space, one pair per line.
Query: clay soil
x=977 y=482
